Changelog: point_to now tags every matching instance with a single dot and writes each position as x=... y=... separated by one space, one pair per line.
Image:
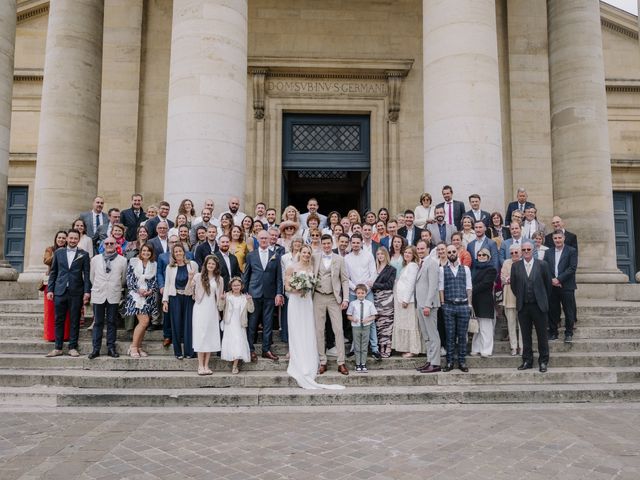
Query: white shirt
x=237 y=217
x=367 y=247
x=225 y=257
x=454 y=270
x=477 y=214
x=264 y=257
x=516 y=241
x=163 y=243
x=529 y=228
x=361 y=268
x=558 y=254
x=356 y=310
x=71 y=254
x=528 y=266
x=410 y=232
x=326 y=260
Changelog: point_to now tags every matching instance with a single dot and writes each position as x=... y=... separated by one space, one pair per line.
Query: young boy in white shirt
x=361 y=313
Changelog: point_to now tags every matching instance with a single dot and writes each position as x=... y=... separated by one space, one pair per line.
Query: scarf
x=142 y=277
x=108 y=259
x=478 y=267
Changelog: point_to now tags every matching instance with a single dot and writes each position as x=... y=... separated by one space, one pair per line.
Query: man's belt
x=457 y=301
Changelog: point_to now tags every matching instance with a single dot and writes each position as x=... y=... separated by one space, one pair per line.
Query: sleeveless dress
x=303 y=350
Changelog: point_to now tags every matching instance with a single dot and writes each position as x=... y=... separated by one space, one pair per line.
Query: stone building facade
x=200 y=98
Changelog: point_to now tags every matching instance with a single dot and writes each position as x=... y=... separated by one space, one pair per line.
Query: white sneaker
x=443 y=352
x=332 y=352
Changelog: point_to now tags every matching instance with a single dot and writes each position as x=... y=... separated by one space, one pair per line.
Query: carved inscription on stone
x=331 y=87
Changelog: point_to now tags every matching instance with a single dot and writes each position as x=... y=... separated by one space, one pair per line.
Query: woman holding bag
x=483 y=279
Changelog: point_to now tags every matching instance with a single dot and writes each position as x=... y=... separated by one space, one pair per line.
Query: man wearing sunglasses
x=531 y=284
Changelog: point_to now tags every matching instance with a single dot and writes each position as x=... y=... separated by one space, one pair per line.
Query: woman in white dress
x=304 y=359
x=205 y=319
x=235 y=319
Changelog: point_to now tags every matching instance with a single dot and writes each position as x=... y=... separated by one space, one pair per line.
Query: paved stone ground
x=409 y=443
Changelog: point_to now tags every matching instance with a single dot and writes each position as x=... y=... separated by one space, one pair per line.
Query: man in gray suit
x=440 y=231
x=95 y=217
x=331 y=296
x=427 y=304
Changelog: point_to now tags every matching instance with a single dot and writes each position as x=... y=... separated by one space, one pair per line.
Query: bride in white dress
x=303 y=351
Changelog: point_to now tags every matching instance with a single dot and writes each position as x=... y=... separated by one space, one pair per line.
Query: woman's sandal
x=133 y=352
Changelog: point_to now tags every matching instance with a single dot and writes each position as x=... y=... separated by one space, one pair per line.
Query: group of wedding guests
x=407 y=284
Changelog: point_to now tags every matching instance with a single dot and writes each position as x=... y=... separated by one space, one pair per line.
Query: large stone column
x=7 y=47
x=580 y=141
x=462 y=129
x=206 y=127
x=67 y=166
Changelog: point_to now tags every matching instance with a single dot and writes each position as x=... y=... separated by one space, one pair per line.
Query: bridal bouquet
x=303 y=282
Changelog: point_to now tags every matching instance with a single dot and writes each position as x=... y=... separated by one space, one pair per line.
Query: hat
x=289 y=223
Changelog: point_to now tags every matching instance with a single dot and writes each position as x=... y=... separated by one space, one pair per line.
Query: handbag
x=474 y=326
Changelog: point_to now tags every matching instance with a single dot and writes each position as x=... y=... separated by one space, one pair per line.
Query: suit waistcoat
x=324 y=276
x=529 y=293
x=455 y=286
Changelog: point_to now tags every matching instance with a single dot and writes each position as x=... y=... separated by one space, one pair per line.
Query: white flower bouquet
x=303 y=282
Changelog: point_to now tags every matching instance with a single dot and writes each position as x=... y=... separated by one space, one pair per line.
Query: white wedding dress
x=303 y=350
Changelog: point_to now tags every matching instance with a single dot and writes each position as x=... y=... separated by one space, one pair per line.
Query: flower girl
x=236 y=306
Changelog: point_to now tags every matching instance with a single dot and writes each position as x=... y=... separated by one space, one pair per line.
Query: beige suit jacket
x=107 y=287
x=339 y=277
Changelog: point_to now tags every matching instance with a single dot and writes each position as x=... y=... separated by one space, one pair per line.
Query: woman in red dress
x=60 y=241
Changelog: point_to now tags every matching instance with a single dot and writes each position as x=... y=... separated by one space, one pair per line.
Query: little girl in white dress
x=234 y=323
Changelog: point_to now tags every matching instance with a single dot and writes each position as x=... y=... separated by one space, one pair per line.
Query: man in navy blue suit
x=262 y=279
x=69 y=287
x=133 y=217
x=520 y=204
x=563 y=262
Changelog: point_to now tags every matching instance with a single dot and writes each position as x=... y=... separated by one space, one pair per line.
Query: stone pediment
x=618 y=21
x=27 y=9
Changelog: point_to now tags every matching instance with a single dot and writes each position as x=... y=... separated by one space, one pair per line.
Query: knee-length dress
x=234 y=340
x=206 y=318
x=139 y=276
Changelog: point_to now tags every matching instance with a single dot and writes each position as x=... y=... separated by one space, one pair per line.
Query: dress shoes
x=112 y=353
x=543 y=367
x=342 y=368
x=94 y=354
x=254 y=357
x=377 y=355
x=423 y=367
x=270 y=356
x=430 y=369
x=525 y=366
x=74 y=353
x=448 y=367
x=322 y=369
x=166 y=343
x=553 y=336
x=463 y=367
x=568 y=339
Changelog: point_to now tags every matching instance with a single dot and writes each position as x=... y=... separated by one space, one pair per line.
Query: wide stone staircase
x=602 y=365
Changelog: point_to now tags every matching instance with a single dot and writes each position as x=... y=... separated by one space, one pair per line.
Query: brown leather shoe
x=322 y=369
x=270 y=356
x=254 y=357
x=166 y=343
x=342 y=368
x=422 y=367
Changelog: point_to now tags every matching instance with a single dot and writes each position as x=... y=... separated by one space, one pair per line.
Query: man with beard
x=440 y=231
x=234 y=210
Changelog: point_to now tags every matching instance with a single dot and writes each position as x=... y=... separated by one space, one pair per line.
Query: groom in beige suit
x=331 y=295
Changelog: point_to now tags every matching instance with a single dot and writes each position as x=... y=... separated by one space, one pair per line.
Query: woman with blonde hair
x=292 y=214
x=354 y=217
x=406 y=331
x=238 y=246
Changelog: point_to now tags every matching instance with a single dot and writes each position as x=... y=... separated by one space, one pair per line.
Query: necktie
x=97 y=221
x=521 y=207
x=137 y=212
x=361 y=312
x=528 y=268
x=450 y=214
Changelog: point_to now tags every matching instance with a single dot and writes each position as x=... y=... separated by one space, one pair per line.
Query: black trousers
x=528 y=317
x=102 y=311
x=72 y=304
x=562 y=300
x=264 y=308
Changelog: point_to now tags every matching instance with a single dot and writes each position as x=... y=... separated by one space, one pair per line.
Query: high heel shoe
x=133 y=352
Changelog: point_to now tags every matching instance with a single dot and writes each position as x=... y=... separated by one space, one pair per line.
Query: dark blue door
x=16 y=226
x=625 y=238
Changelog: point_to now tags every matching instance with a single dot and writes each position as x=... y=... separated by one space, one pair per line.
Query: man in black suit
x=563 y=262
x=569 y=238
x=105 y=229
x=476 y=212
x=69 y=287
x=229 y=266
x=343 y=245
x=209 y=247
x=262 y=279
x=133 y=217
x=163 y=215
x=520 y=204
x=410 y=232
x=274 y=234
x=531 y=284
x=453 y=209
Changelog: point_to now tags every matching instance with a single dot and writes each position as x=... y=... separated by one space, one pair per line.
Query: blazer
x=484 y=216
x=493 y=250
x=435 y=233
x=161 y=269
x=427 y=294
x=73 y=279
x=157 y=246
x=128 y=219
x=567 y=266
x=224 y=272
x=100 y=235
x=170 y=281
x=505 y=246
x=569 y=239
x=88 y=218
x=339 y=277
x=107 y=287
x=416 y=234
x=203 y=251
x=513 y=206
x=541 y=283
x=279 y=249
x=261 y=283
x=153 y=223
x=458 y=212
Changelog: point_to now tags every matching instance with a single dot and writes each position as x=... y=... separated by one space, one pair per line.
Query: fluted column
x=68 y=142
x=206 y=124
x=7 y=47
x=582 y=184
x=462 y=129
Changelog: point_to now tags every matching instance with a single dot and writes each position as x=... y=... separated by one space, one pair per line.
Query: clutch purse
x=474 y=326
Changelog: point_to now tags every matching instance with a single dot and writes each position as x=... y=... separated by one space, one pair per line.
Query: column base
x=33 y=275
x=609 y=276
x=7 y=272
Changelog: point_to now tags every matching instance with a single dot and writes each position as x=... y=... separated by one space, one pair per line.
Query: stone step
x=22 y=306
x=169 y=363
x=156 y=348
x=262 y=379
x=297 y=397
